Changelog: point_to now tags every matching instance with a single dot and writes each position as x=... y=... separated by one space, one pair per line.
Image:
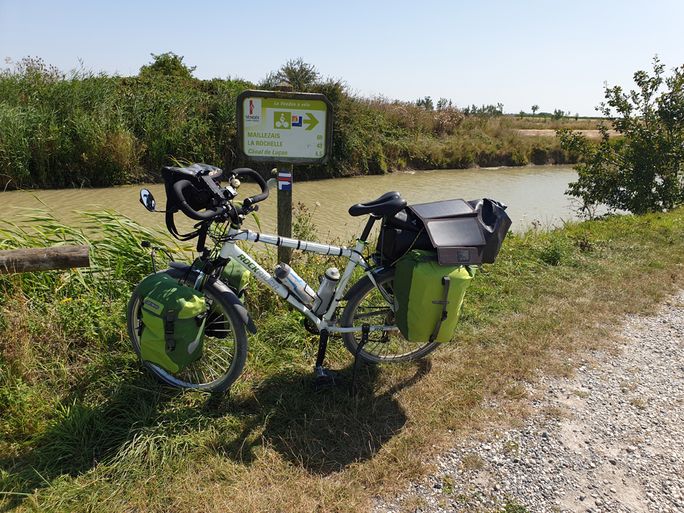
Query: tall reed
x=89 y=129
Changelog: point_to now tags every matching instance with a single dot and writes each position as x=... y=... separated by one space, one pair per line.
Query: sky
x=557 y=55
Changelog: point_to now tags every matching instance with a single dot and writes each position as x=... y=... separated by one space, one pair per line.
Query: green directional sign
x=289 y=127
x=310 y=121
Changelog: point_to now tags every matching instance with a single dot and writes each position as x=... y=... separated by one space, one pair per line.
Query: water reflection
x=533 y=195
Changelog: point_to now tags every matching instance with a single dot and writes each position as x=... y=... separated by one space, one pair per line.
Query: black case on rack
x=461 y=232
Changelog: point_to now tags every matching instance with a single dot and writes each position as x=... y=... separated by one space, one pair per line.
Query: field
x=83 y=428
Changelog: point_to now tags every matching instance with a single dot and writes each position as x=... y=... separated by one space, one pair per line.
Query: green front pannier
x=235 y=276
x=173 y=318
x=429 y=296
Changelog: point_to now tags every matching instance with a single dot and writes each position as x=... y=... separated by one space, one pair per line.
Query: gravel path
x=615 y=444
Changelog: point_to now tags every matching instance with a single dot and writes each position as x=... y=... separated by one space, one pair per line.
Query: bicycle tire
x=382 y=347
x=214 y=348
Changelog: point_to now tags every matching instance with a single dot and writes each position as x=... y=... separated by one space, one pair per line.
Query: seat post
x=369 y=226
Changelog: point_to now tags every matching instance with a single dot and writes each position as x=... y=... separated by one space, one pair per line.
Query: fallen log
x=43 y=259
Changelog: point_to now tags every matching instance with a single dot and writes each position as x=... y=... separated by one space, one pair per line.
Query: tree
x=534 y=108
x=167 y=64
x=485 y=110
x=444 y=103
x=299 y=74
x=425 y=103
x=642 y=171
x=558 y=114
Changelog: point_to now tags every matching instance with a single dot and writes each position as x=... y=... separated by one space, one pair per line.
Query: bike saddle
x=386 y=205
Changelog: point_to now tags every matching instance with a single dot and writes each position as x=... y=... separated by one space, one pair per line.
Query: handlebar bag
x=173 y=319
x=429 y=296
x=199 y=196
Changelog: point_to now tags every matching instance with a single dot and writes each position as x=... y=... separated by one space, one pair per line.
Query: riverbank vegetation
x=83 y=428
x=87 y=129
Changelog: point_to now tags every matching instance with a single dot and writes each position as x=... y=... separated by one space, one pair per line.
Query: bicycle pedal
x=326 y=379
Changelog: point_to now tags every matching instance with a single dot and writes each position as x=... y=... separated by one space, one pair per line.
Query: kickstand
x=215 y=401
x=324 y=378
x=365 y=329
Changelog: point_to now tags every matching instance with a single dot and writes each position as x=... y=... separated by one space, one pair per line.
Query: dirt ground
x=534 y=132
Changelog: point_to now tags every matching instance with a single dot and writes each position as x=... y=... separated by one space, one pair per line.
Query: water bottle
x=326 y=290
x=295 y=284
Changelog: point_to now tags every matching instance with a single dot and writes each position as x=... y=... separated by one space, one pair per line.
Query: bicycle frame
x=355 y=256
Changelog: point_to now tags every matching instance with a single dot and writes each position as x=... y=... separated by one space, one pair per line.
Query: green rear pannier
x=429 y=296
x=173 y=318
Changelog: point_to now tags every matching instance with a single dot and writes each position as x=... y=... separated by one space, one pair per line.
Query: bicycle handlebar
x=178 y=189
x=245 y=171
x=218 y=193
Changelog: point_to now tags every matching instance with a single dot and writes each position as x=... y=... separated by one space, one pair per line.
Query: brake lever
x=247 y=209
x=229 y=192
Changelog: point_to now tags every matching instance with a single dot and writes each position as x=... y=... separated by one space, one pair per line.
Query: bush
x=643 y=170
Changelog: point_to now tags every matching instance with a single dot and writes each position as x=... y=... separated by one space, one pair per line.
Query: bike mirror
x=271 y=183
x=147 y=200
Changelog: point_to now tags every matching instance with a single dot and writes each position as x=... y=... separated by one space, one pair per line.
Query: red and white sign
x=284 y=181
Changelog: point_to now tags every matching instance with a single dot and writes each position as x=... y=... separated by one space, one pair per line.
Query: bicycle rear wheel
x=224 y=348
x=367 y=304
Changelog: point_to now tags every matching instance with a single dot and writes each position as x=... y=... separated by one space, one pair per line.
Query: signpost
x=294 y=128
x=289 y=128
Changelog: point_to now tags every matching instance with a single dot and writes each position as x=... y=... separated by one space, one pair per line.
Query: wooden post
x=43 y=259
x=285 y=215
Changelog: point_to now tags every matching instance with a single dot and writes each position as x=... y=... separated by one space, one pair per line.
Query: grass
x=512 y=507
x=83 y=428
x=472 y=462
x=86 y=129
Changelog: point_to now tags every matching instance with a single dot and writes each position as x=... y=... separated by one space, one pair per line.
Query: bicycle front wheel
x=224 y=346
x=368 y=304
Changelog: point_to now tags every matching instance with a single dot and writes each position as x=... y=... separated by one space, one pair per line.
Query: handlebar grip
x=178 y=188
x=245 y=171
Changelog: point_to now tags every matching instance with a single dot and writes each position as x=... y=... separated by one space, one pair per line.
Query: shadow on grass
x=322 y=432
x=80 y=435
x=141 y=423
